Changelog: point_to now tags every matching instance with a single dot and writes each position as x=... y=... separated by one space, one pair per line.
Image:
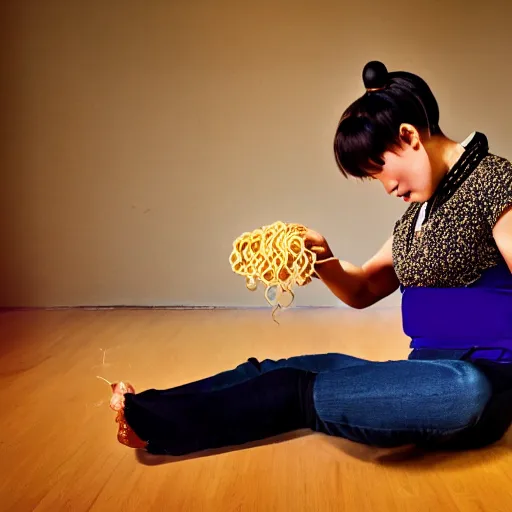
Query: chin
x=419 y=197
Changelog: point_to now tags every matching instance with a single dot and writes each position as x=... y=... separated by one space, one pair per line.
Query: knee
x=469 y=392
x=255 y=363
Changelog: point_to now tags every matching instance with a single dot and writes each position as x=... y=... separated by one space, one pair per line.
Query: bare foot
x=125 y=434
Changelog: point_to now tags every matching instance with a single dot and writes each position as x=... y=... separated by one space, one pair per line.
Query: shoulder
x=493 y=170
x=491 y=187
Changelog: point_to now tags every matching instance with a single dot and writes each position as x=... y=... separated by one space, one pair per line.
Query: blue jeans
x=386 y=404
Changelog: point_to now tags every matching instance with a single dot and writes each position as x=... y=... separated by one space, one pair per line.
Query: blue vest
x=478 y=316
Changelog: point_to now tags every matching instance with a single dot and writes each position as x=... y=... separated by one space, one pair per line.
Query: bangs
x=359 y=145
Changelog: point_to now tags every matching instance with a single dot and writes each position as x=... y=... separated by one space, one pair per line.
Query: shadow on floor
x=149 y=459
x=409 y=457
x=418 y=459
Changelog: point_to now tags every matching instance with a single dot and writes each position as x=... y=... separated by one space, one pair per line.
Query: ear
x=410 y=136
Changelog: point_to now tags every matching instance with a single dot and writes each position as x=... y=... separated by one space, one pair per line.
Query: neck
x=443 y=154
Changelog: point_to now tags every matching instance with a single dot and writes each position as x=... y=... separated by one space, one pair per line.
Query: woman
x=451 y=256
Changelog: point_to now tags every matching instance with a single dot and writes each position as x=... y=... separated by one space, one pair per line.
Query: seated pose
x=450 y=254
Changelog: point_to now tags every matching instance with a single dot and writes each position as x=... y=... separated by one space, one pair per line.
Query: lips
x=406 y=197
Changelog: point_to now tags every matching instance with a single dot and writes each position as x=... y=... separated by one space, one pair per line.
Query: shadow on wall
x=15 y=213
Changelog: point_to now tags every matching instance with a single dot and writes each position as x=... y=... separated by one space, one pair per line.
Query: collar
x=476 y=149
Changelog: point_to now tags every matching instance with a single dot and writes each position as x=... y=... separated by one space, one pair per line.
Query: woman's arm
x=361 y=287
x=502 y=233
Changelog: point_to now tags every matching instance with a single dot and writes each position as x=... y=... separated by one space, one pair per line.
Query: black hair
x=370 y=126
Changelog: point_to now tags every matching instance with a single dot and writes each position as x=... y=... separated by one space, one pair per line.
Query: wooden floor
x=58 y=448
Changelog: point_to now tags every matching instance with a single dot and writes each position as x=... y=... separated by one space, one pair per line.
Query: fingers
x=312 y=239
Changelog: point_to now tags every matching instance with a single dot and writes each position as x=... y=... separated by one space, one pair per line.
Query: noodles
x=275 y=255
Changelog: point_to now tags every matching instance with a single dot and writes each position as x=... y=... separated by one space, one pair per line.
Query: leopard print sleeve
x=493 y=190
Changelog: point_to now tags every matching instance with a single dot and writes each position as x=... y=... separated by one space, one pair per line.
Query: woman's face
x=407 y=172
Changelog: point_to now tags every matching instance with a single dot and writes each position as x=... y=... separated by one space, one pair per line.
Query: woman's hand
x=316 y=243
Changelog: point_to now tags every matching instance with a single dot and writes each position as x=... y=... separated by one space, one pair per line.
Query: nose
x=392 y=189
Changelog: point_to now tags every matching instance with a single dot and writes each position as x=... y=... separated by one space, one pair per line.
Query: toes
x=121 y=388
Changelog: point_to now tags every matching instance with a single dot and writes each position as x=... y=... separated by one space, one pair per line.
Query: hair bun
x=375 y=75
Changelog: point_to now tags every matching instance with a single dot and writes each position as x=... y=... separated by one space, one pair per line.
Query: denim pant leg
x=395 y=403
x=384 y=404
x=313 y=362
x=253 y=401
x=252 y=368
x=178 y=423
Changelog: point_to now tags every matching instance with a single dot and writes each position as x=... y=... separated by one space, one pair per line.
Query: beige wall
x=139 y=138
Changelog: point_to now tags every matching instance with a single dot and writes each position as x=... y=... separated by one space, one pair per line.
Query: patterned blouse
x=455 y=244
